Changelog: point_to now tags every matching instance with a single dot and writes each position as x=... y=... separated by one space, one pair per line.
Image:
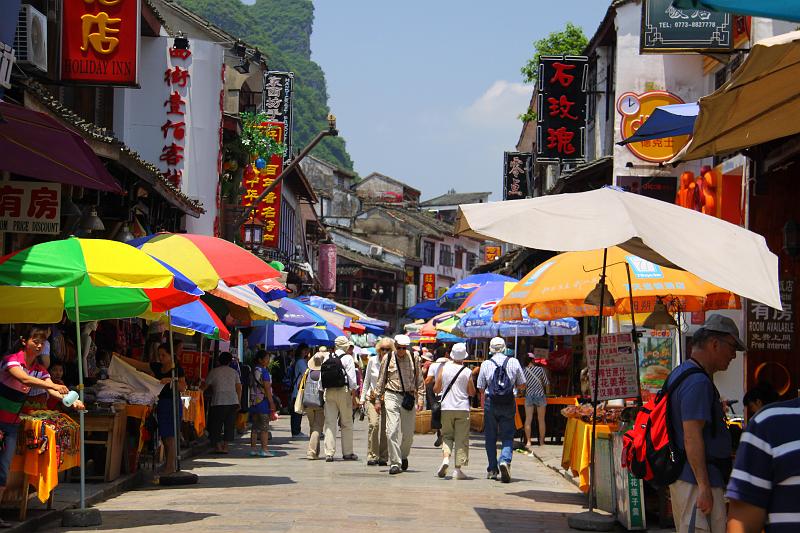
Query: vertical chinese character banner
x=177 y=80
x=327 y=267
x=255 y=180
x=428 y=286
x=561 y=109
x=100 y=41
x=277 y=102
x=516 y=175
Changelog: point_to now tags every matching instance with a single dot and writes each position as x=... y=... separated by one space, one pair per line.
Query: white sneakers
x=505 y=472
x=443 y=469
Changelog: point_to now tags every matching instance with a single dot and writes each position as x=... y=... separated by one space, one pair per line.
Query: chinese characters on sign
x=255 y=180
x=176 y=78
x=768 y=328
x=491 y=253
x=100 y=41
x=516 y=172
x=668 y=29
x=561 y=109
x=428 y=286
x=277 y=102
x=618 y=377
x=635 y=109
x=30 y=207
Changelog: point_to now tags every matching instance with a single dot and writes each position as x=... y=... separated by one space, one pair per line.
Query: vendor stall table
x=39 y=458
x=578 y=448
x=107 y=429
x=136 y=439
x=195 y=413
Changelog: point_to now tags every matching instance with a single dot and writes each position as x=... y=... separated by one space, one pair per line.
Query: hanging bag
x=436 y=405
x=408 y=398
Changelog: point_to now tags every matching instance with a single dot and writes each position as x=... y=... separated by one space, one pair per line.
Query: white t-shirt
x=458 y=398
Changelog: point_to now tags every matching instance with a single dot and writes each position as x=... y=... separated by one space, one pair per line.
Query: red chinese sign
x=255 y=180
x=100 y=41
x=195 y=365
x=30 y=207
x=173 y=130
x=561 y=109
x=428 y=286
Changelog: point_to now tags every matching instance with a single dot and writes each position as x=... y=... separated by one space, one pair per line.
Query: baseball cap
x=458 y=352
x=342 y=342
x=402 y=340
x=497 y=344
x=723 y=324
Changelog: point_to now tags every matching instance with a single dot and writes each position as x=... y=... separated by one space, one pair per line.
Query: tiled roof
x=94 y=132
x=455 y=198
x=365 y=260
x=421 y=221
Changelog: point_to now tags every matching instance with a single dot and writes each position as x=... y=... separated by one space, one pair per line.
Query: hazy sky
x=428 y=92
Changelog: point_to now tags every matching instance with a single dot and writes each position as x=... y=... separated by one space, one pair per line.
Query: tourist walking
x=377 y=444
x=537 y=384
x=338 y=373
x=497 y=379
x=262 y=405
x=310 y=401
x=226 y=388
x=454 y=383
x=401 y=389
x=298 y=370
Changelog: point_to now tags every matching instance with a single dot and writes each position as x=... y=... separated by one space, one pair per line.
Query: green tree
x=570 y=41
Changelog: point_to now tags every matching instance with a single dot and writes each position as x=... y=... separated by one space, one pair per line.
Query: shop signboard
x=629 y=492
x=492 y=253
x=516 y=175
x=30 y=207
x=655 y=360
x=428 y=286
x=255 y=180
x=195 y=365
x=100 y=41
x=771 y=329
x=661 y=188
x=277 y=102
x=618 y=367
x=327 y=267
x=635 y=109
x=666 y=29
x=561 y=109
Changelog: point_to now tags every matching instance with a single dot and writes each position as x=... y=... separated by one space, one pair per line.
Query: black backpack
x=332 y=371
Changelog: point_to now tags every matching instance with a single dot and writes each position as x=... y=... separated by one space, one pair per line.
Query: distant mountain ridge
x=282 y=29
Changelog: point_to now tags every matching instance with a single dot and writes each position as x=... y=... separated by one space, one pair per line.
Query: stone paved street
x=290 y=493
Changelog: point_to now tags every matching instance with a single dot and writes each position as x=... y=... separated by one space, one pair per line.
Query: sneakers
x=394 y=470
x=491 y=474
x=350 y=457
x=438 y=441
x=371 y=462
x=253 y=453
x=328 y=458
x=300 y=435
x=459 y=474
x=505 y=472
x=404 y=465
x=443 y=469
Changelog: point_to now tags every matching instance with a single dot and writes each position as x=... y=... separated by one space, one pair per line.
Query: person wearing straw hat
x=401 y=389
x=338 y=375
x=309 y=401
x=377 y=445
x=454 y=383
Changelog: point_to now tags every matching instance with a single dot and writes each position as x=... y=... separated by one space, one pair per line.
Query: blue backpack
x=501 y=388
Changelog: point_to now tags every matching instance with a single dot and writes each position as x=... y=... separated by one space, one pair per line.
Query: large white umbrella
x=715 y=250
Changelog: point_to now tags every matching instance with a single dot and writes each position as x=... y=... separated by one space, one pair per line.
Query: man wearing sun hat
x=339 y=400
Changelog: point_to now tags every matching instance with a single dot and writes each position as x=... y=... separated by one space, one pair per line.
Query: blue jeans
x=10 y=446
x=498 y=422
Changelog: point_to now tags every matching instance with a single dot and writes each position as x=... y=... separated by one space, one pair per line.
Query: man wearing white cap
x=338 y=375
x=497 y=379
x=454 y=385
x=401 y=391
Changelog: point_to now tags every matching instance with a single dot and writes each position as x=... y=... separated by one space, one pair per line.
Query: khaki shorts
x=260 y=422
x=684 y=496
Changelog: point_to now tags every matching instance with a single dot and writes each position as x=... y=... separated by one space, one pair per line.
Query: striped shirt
x=767 y=468
x=12 y=392
x=536 y=381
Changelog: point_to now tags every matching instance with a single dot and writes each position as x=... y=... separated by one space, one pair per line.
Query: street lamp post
x=331 y=131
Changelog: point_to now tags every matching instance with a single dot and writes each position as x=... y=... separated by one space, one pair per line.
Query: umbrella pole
x=592 y=469
x=635 y=335
x=175 y=398
x=80 y=393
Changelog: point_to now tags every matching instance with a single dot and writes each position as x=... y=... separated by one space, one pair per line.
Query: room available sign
x=30 y=207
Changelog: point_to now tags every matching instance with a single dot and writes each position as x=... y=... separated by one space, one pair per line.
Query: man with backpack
x=698 y=421
x=498 y=377
x=338 y=377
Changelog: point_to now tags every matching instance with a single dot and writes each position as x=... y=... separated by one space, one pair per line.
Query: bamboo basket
x=476 y=420
x=423 y=422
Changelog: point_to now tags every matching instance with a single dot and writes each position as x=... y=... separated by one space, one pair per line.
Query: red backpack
x=649 y=449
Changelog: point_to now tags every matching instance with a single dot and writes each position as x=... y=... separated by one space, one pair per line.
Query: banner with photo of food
x=656 y=349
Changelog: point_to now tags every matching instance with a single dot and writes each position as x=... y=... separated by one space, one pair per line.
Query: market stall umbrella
x=492 y=291
x=760 y=103
x=247 y=303
x=463 y=288
x=558 y=287
x=270 y=290
x=206 y=260
x=273 y=336
x=194 y=317
x=317 y=336
x=36 y=145
x=426 y=309
x=717 y=251
x=295 y=313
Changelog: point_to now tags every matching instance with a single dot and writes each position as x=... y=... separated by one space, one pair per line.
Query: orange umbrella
x=557 y=288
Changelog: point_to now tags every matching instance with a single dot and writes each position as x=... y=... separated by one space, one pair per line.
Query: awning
x=760 y=103
x=35 y=145
x=666 y=121
x=771 y=9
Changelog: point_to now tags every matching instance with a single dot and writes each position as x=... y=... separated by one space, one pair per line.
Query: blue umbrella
x=466 y=286
x=376 y=327
x=666 y=121
x=274 y=336
x=274 y=293
x=319 y=302
x=315 y=336
x=442 y=336
x=197 y=316
x=477 y=322
x=296 y=313
x=425 y=310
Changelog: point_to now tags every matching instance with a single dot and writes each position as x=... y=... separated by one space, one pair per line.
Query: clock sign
x=635 y=109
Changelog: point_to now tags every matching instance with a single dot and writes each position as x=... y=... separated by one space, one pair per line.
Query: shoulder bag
x=436 y=405
x=408 y=398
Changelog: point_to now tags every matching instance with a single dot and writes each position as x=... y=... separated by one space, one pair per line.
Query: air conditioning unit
x=376 y=251
x=30 y=40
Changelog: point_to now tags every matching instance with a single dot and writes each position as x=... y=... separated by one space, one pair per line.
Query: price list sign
x=617 y=366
